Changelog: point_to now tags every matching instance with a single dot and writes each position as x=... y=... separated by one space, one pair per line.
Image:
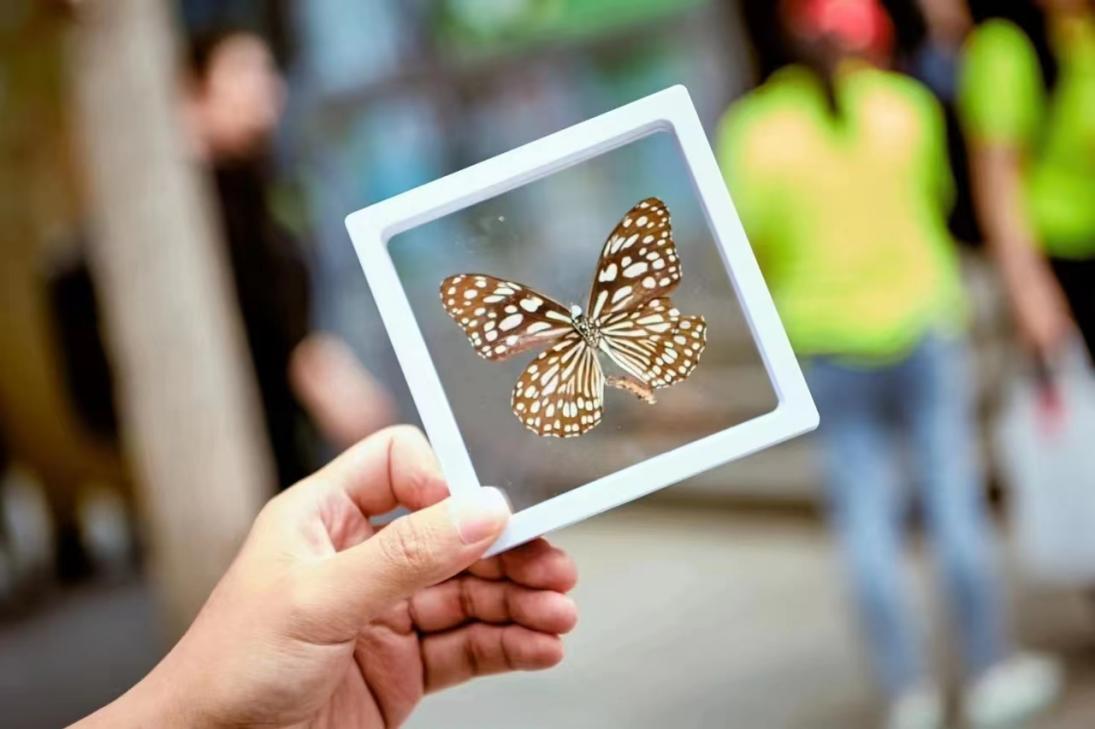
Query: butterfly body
x=629 y=319
x=589 y=331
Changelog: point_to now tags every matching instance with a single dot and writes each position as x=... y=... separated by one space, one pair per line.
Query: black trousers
x=1077 y=278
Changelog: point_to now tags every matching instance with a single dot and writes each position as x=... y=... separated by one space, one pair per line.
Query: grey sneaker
x=1012 y=691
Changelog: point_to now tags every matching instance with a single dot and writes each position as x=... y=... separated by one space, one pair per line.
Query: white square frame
x=671 y=111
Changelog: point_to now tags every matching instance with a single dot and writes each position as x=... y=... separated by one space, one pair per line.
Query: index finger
x=393 y=467
x=536 y=564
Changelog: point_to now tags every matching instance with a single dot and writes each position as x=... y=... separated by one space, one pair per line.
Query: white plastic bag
x=1045 y=444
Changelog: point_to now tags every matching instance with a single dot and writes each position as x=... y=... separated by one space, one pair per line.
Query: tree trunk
x=186 y=391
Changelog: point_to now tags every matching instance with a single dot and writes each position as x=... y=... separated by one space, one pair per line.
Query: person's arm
x=1002 y=105
x=338 y=393
x=1038 y=304
x=327 y=620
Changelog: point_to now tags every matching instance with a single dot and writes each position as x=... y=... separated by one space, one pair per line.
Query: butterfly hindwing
x=502 y=318
x=638 y=262
x=654 y=342
x=561 y=393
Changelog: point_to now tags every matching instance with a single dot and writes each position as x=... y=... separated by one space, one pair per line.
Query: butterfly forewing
x=502 y=318
x=654 y=342
x=639 y=261
x=561 y=393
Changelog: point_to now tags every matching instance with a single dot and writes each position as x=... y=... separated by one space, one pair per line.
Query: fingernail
x=480 y=515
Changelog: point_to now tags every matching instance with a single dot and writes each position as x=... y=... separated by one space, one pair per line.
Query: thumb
x=421 y=549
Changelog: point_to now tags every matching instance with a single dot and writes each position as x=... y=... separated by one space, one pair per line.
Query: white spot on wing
x=510 y=322
x=601 y=297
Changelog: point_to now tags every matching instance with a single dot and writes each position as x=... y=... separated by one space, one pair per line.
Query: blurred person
x=86 y=381
x=233 y=98
x=936 y=59
x=1028 y=106
x=839 y=171
x=325 y=620
x=933 y=38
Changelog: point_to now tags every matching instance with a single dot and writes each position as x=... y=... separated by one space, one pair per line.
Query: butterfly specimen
x=629 y=318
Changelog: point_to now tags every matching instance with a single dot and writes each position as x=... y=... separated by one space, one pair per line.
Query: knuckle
x=478 y=648
x=417 y=481
x=408 y=545
x=465 y=595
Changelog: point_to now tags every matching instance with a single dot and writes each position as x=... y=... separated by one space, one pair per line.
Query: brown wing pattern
x=502 y=318
x=655 y=343
x=639 y=262
x=561 y=393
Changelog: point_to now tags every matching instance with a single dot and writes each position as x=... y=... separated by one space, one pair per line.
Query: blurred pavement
x=691 y=618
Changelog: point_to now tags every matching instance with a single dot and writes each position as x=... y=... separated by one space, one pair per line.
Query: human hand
x=325 y=621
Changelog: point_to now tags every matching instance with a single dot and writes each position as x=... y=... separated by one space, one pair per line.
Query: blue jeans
x=879 y=425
